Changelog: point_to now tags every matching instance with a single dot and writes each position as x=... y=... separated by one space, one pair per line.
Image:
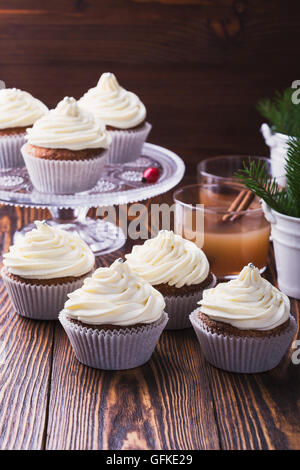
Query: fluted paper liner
x=243 y=354
x=39 y=302
x=113 y=349
x=64 y=176
x=10 y=150
x=179 y=307
x=127 y=145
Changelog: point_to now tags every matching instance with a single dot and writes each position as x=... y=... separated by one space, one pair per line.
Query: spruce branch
x=292 y=168
x=281 y=113
x=256 y=178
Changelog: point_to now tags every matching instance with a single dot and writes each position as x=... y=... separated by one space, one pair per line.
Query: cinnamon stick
x=235 y=204
x=239 y=204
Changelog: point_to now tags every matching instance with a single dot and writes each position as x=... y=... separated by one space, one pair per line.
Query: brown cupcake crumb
x=165 y=289
x=222 y=328
x=136 y=128
x=62 y=154
x=44 y=282
x=13 y=130
x=104 y=327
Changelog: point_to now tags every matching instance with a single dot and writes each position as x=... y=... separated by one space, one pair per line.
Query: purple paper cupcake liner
x=113 y=349
x=179 y=307
x=39 y=302
x=64 y=176
x=127 y=145
x=243 y=354
x=10 y=150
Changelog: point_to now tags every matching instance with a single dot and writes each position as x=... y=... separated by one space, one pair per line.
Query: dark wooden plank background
x=199 y=65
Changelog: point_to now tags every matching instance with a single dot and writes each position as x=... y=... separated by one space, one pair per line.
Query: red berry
x=151 y=175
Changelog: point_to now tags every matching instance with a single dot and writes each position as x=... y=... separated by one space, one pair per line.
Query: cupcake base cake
x=127 y=144
x=18 y=111
x=180 y=302
x=123 y=113
x=62 y=171
x=39 y=300
x=42 y=267
x=59 y=175
x=242 y=351
x=115 y=319
x=110 y=347
x=222 y=328
x=66 y=150
x=11 y=142
x=244 y=325
x=178 y=269
x=13 y=131
x=63 y=154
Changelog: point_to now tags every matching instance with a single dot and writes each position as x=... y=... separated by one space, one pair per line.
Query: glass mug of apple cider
x=224 y=167
x=227 y=222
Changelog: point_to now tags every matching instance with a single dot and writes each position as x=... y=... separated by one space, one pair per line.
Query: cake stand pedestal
x=118 y=185
x=102 y=237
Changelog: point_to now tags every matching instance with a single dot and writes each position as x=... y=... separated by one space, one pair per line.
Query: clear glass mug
x=230 y=239
x=224 y=167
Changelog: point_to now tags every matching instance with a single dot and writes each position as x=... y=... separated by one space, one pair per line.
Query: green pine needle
x=283 y=200
x=292 y=168
x=281 y=113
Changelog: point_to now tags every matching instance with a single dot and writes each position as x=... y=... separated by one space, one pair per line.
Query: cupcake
x=115 y=319
x=42 y=267
x=178 y=269
x=66 y=150
x=124 y=115
x=244 y=325
x=18 y=110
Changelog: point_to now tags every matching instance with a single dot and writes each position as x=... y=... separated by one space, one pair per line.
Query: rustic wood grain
x=165 y=404
x=25 y=373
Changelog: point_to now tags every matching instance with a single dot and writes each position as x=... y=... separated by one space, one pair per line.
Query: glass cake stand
x=119 y=184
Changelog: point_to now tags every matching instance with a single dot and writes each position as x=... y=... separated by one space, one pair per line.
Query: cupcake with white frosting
x=244 y=325
x=66 y=150
x=178 y=269
x=124 y=115
x=42 y=267
x=18 y=111
x=115 y=319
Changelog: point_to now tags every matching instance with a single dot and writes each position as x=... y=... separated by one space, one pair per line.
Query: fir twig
x=283 y=200
x=281 y=113
x=292 y=168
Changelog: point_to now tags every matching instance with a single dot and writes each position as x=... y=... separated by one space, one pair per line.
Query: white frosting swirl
x=115 y=296
x=248 y=302
x=113 y=104
x=19 y=108
x=69 y=127
x=48 y=252
x=169 y=259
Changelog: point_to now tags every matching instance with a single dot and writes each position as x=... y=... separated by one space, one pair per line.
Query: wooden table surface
x=48 y=400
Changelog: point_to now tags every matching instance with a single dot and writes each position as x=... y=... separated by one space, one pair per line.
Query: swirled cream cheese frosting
x=248 y=302
x=115 y=296
x=19 y=108
x=48 y=252
x=69 y=127
x=113 y=104
x=169 y=259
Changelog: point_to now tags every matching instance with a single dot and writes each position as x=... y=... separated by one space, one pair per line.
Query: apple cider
x=230 y=240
